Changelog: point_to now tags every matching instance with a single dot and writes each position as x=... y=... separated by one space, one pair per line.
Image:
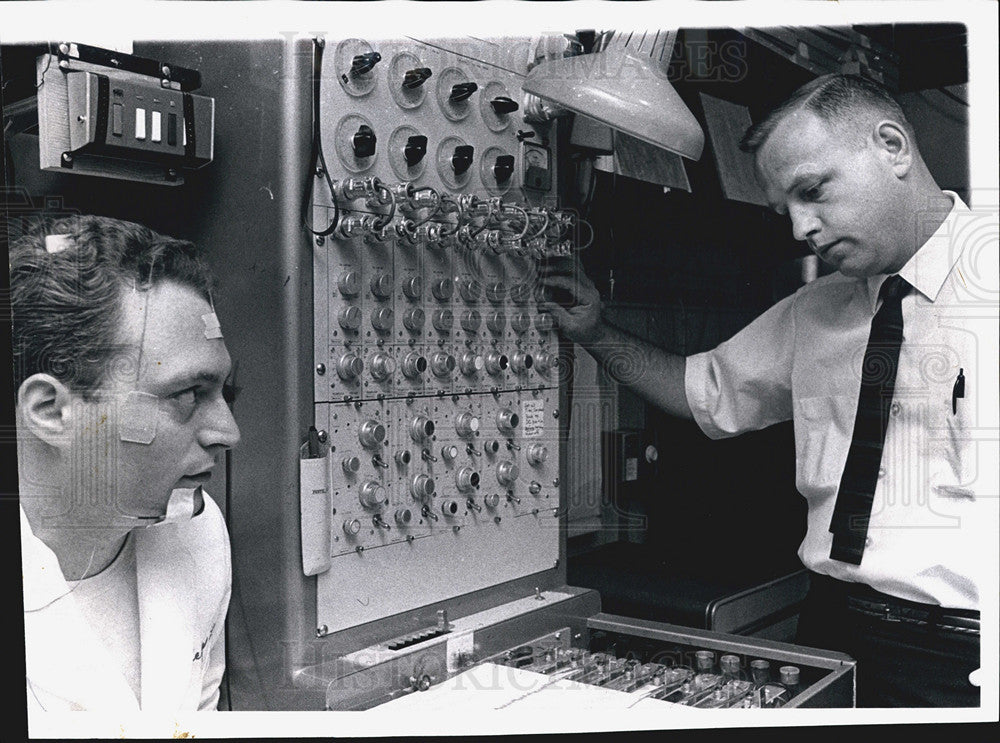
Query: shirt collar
x=928 y=268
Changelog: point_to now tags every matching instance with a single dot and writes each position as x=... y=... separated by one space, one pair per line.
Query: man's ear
x=894 y=146
x=44 y=408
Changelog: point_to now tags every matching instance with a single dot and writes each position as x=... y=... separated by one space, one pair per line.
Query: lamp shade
x=625 y=86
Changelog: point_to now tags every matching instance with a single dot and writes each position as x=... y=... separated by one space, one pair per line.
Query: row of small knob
x=350 y=366
x=449 y=507
x=350 y=318
x=349 y=285
x=372 y=434
x=372 y=494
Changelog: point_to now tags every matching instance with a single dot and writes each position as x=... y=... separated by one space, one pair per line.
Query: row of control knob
x=471 y=290
x=350 y=318
x=350 y=366
x=421 y=429
x=372 y=434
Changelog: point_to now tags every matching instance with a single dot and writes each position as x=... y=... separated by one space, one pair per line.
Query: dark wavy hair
x=66 y=305
x=848 y=100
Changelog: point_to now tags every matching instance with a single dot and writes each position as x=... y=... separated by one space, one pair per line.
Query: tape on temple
x=57 y=243
x=138 y=418
x=212 y=327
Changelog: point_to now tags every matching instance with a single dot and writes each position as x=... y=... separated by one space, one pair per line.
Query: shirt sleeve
x=745 y=383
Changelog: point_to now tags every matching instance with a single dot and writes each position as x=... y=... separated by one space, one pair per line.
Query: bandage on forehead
x=212 y=328
x=137 y=418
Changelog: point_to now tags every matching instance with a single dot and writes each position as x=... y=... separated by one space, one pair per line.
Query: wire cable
x=317 y=152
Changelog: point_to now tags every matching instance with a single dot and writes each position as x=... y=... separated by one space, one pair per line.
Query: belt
x=863 y=599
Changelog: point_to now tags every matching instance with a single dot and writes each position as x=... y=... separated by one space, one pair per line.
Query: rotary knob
x=403 y=516
x=442 y=320
x=471 y=320
x=496 y=322
x=471 y=290
x=349 y=318
x=421 y=487
x=520 y=293
x=442 y=364
x=507 y=421
x=371 y=434
x=421 y=428
x=495 y=293
x=466 y=479
x=402 y=457
x=414 y=365
x=349 y=284
x=535 y=487
x=466 y=424
x=491 y=447
x=413 y=287
x=381 y=285
x=537 y=454
x=450 y=507
x=520 y=322
x=543 y=362
x=350 y=366
x=449 y=453
x=496 y=362
x=383 y=365
x=382 y=319
x=413 y=320
x=443 y=289
x=492 y=500
x=544 y=322
x=507 y=474
x=520 y=362
x=371 y=494
x=352 y=527
x=471 y=363
x=351 y=464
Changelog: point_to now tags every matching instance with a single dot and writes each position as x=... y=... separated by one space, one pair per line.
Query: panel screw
x=555 y=413
x=67 y=158
x=321 y=369
x=320 y=240
x=322 y=630
x=322 y=437
x=165 y=70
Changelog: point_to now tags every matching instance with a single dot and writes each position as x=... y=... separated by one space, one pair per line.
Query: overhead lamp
x=625 y=86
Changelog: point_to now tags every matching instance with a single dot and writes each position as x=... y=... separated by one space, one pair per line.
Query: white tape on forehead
x=212 y=327
x=57 y=243
x=137 y=422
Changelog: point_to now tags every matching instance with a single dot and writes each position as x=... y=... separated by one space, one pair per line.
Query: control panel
x=435 y=380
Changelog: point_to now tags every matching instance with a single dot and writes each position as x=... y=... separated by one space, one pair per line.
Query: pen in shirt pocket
x=957 y=391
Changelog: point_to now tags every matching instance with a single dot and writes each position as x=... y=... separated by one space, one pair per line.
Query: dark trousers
x=908 y=654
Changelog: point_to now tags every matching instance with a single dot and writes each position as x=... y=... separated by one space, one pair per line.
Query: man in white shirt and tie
x=888 y=369
x=120 y=368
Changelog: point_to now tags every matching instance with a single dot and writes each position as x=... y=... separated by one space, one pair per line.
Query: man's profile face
x=837 y=190
x=172 y=390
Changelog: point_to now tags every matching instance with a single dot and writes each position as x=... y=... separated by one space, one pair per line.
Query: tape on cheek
x=212 y=328
x=137 y=422
x=183 y=505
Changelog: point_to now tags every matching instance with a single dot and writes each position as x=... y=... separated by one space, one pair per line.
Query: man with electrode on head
x=120 y=368
x=888 y=369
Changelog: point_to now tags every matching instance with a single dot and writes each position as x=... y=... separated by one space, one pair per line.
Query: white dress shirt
x=934 y=521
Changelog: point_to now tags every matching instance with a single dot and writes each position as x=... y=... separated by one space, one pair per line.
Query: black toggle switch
x=503 y=105
x=416 y=77
x=416 y=148
x=503 y=168
x=364 y=141
x=461 y=160
x=363 y=63
x=462 y=91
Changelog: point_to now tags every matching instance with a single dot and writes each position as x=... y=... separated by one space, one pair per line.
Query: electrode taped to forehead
x=139 y=414
x=212 y=328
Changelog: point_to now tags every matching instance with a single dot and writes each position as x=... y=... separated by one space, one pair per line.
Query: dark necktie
x=878 y=379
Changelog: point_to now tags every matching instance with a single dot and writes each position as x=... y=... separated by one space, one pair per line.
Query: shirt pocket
x=823 y=427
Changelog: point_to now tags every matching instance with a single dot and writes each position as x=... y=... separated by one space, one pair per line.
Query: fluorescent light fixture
x=625 y=86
